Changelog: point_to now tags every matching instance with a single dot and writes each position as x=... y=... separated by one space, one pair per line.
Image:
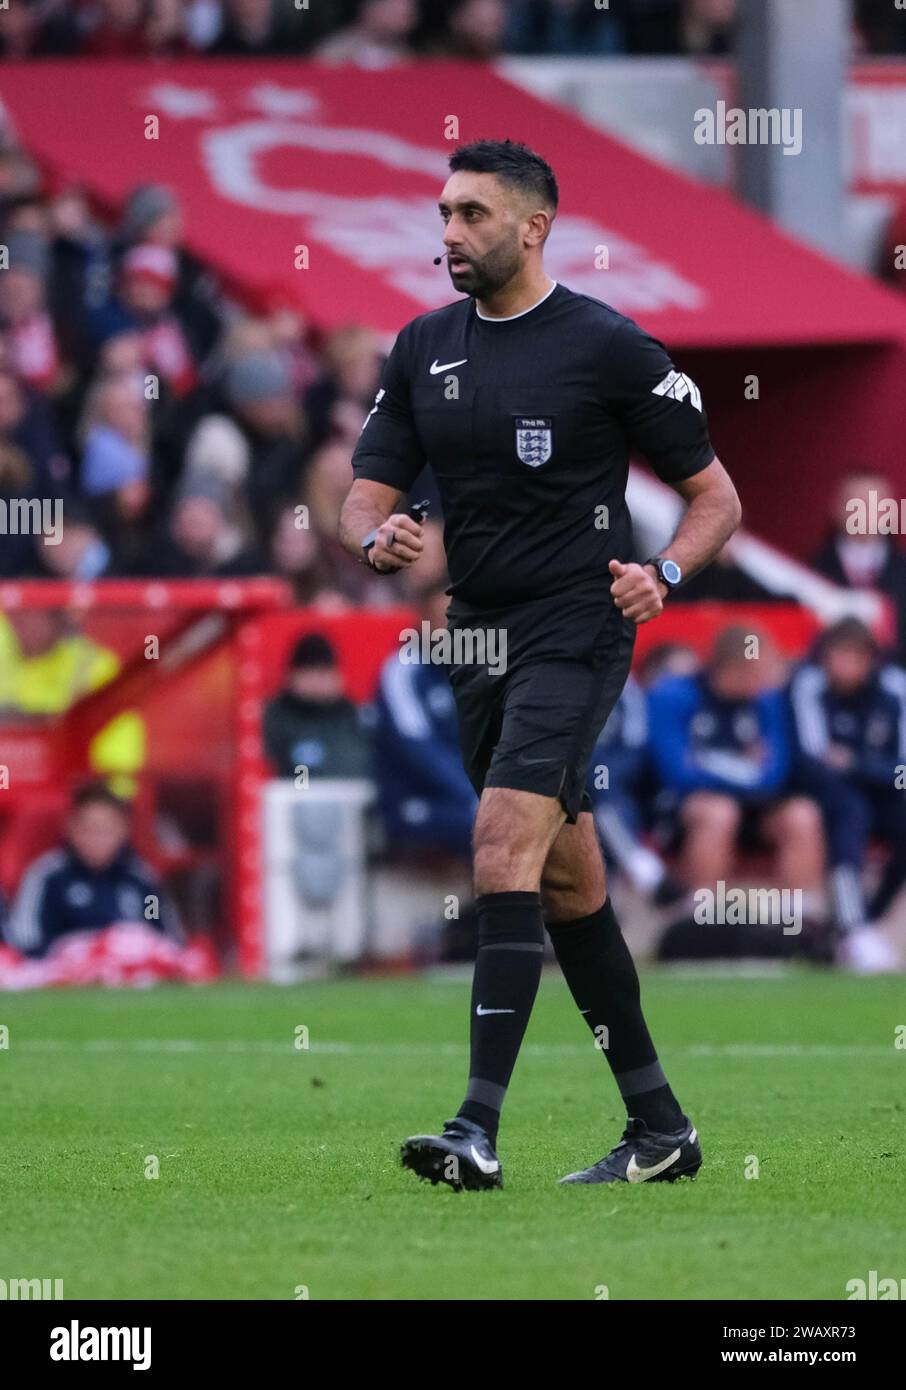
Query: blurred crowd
x=376 y=33
x=184 y=436
x=735 y=768
x=732 y=768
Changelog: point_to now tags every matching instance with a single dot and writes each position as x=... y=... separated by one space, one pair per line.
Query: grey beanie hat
x=258 y=376
x=206 y=485
x=144 y=206
x=28 y=251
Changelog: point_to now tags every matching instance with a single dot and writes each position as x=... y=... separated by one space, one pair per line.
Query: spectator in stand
x=258 y=388
x=338 y=402
x=618 y=778
x=703 y=28
x=81 y=553
x=132 y=28
x=20 y=177
x=849 y=715
x=78 y=252
x=34 y=354
x=326 y=485
x=296 y=556
x=203 y=22
x=46 y=664
x=17 y=484
x=721 y=743
x=288 y=333
x=255 y=29
x=667 y=659
x=475 y=30
x=208 y=535
x=564 y=27
x=116 y=431
x=857 y=557
x=311 y=723
x=29 y=215
x=27 y=418
x=31 y=30
x=144 y=303
x=116 y=460
x=425 y=799
x=379 y=36
x=878 y=28
x=126 y=521
x=19 y=32
x=32 y=462
x=153 y=216
x=93 y=880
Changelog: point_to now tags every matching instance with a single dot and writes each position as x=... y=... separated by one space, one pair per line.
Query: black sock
x=507 y=971
x=602 y=976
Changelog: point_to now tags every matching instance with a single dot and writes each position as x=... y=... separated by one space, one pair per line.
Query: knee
x=718 y=815
x=800 y=817
x=501 y=864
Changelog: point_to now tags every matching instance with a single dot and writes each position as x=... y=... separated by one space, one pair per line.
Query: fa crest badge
x=534 y=439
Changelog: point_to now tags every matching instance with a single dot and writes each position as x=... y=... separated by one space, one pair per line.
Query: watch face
x=671 y=572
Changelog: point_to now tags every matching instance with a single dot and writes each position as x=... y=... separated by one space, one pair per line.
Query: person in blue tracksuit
x=425 y=799
x=617 y=780
x=93 y=880
x=849 y=714
x=721 y=743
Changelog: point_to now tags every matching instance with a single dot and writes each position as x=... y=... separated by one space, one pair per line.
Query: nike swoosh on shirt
x=487 y=1165
x=481 y=1012
x=636 y=1174
x=443 y=366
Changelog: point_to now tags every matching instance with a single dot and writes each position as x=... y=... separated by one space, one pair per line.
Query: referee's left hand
x=637 y=591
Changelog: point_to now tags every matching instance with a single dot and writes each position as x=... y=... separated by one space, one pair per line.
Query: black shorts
x=533 y=728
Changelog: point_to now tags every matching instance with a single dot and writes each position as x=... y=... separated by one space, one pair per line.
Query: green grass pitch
x=278 y=1165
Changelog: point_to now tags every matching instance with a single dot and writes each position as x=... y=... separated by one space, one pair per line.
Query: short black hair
x=312 y=650
x=848 y=632
x=515 y=164
x=97 y=794
x=731 y=646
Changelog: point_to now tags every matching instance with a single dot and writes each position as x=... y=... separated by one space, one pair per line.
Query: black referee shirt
x=528 y=424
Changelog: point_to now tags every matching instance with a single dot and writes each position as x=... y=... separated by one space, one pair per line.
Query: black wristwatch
x=668 y=572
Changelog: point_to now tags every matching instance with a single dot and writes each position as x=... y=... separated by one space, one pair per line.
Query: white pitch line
x=336 y=1048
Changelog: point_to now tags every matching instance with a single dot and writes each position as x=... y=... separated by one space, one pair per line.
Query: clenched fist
x=637 y=591
x=397 y=545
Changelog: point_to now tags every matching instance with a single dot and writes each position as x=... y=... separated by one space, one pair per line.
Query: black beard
x=491 y=273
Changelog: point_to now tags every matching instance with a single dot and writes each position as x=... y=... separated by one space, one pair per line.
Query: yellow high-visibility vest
x=51 y=682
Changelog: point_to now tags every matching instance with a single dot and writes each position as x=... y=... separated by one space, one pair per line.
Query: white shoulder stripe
x=22 y=929
x=398 y=689
x=893 y=680
x=635 y=712
x=805 y=693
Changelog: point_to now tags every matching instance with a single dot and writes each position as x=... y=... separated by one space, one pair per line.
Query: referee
x=527 y=400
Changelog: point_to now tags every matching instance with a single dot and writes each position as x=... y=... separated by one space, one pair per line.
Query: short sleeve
x=388 y=449
x=659 y=407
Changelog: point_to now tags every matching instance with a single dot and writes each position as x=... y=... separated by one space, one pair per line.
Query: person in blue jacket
x=619 y=777
x=849 y=715
x=721 y=743
x=93 y=880
x=425 y=799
